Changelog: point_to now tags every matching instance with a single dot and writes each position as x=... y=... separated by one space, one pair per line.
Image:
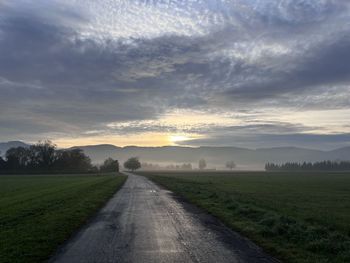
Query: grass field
x=297 y=217
x=38 y=213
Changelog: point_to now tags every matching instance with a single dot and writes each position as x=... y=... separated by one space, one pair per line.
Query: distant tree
x=202 y=164
x=17 y=158
x=109 y=165
x=2 y=164
x=73 y=160
x=132 y=164
x=43 y=155
x=230 y=165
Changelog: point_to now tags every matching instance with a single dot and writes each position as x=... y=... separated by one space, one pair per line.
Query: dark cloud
x=325 y=65
x=60 y=64
x=313 y=141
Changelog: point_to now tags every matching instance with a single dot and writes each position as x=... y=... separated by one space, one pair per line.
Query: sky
x=246 y=73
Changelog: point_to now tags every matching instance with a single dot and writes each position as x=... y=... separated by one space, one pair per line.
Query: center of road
x=145 y=223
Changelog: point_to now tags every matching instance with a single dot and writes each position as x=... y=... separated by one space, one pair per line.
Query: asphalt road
x=144 y=223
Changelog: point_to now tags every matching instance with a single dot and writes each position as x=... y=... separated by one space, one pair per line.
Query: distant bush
x=317 y=166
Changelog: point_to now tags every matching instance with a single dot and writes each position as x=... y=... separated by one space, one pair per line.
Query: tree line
x=152 y=166
x=202 y=164
x=308 y=166
x=44 y=157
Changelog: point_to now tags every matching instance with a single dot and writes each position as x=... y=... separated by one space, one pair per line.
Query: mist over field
x=216 y=157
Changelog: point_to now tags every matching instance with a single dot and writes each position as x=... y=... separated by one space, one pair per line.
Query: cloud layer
x=70 y=67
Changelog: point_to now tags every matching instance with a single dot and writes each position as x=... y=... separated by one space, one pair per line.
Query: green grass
x=38 y=213
x=298 y=217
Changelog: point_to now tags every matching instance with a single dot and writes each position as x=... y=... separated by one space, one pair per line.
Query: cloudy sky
x=249 y=73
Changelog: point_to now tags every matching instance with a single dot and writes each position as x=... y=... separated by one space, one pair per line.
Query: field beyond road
x=298 y=217
x=38 y=213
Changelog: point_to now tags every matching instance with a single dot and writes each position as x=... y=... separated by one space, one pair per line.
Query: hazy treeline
x=317 y=166
x=183 y=167
x=44 y=157
x=202 y=165
x=151 y=166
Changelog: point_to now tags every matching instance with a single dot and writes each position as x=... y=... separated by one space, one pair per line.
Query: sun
x=178 y=138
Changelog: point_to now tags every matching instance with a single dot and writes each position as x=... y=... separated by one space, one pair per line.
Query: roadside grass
x=298 y=217
x=38 y=213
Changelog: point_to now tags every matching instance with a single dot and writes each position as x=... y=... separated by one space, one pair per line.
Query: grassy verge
x=297 y=217
x=38 y=213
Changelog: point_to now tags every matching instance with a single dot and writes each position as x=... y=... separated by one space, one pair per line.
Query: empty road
x=145 y=223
